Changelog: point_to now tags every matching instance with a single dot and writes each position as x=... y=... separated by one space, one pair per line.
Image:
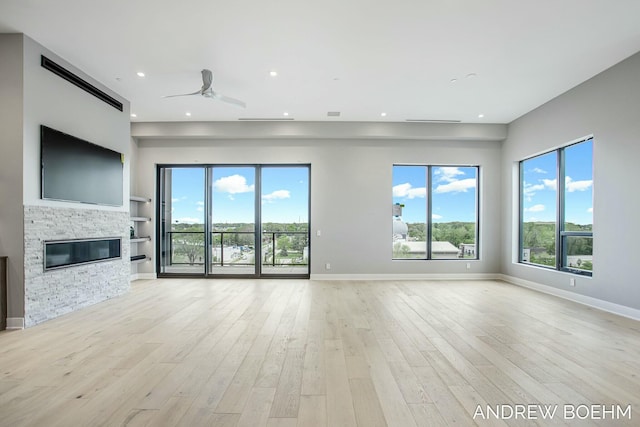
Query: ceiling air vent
x=432 y=121
x=333 y=114
x=82 y=84
x=266 y=119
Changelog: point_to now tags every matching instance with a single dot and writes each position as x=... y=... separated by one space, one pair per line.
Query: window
x=438 y=223
x=556 y=221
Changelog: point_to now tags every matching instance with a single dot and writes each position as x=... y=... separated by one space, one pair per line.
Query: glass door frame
x=208 y=226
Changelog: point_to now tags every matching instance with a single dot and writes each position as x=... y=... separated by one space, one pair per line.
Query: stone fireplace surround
x=52 y=293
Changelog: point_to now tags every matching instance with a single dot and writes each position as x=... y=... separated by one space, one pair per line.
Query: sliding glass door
x=233 y=220
x=181 y=224
x=285 y=220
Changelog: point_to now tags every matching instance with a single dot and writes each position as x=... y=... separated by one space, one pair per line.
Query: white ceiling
x=358 y=57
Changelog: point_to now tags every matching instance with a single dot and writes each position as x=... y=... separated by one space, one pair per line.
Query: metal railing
x=188 y=248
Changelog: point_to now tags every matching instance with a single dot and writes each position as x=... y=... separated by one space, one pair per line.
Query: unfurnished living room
x=292 y=213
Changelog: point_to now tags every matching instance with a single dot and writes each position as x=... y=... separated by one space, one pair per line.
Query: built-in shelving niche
x=140 y=254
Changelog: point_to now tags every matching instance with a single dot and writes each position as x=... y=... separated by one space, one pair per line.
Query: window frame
x=429 y=168
x=561 y=234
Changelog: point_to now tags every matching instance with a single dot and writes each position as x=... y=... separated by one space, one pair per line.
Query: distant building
x=439 y=250
x=468 y=249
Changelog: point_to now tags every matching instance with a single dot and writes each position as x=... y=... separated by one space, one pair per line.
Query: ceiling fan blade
x=207 y=79
x=183 y=94
x=231 y=101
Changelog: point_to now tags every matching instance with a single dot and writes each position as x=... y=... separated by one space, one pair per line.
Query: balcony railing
x=237 y=248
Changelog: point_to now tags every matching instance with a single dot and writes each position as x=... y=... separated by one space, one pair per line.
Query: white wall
x=350 y=190
x=606 y=106
x=52 y=101
x=11 y=213
x=30 y=96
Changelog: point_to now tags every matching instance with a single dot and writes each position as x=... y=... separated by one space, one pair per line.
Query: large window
x=556 y=221
x=439 y=218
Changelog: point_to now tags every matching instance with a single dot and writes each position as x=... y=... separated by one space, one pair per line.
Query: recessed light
x=453 y=80
x=140 y=74
x=273 y=73
x=285 y=114
x=134 y=115
x=480 y=115
x=188 y=114
x=472 y=75
x=383 y=114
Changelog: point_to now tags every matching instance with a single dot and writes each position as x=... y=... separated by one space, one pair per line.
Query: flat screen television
x=75 y=170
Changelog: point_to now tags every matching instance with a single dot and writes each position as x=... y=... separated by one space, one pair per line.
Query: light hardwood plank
x=366 y=404
x=313 y=411
x=339 y=401
x=284 y=353
x=256 y=411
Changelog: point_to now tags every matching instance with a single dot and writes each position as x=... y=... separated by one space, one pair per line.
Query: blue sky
x=540 y=185
x=285 y=193
x=453 y=193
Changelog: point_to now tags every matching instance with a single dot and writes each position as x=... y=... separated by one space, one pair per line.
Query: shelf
x=139 y=199
x=139 y=258
x=138 y=208
x=140 y=218
x=140 y=239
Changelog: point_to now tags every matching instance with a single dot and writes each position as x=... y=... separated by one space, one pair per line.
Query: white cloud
x=405 y=190
x=233 y=184
x=447 y=173
x=590 y=210
x=535 y=208
x=188 y=220
x=572 y=185
x=200 y=209
x=538 y=170
x=436 y=216
x=531 y=189
x=200 y=203
x=460 y=186
x=551 y=184
x=278 y=194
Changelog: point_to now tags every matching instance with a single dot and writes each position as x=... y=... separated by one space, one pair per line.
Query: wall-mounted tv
x=75 y=170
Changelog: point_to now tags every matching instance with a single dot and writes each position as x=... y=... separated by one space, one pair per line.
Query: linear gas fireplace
x=66 y=253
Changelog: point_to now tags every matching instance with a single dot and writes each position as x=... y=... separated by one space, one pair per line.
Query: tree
x=282 y=243
x=417 y=231
x=190 y=245
x=400 y=250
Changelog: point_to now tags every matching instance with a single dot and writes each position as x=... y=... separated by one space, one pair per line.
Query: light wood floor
x=310 y=353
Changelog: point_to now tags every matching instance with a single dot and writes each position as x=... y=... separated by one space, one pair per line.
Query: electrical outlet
x=468 y=265
x=572 y=281
x=327 y=266
x=318 y=233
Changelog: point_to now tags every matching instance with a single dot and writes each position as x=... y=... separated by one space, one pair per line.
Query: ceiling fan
x=208 y=92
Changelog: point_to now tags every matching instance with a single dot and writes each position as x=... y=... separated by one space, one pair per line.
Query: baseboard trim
x=15 y=323
x=607 y=306
x=143 y=276
x=478 y=276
